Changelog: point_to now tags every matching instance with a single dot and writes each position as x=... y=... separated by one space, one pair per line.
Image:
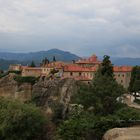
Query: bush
x=15 y=71
x=6 y=73
x=137 y=101
x=28 y=79
x=19 y=121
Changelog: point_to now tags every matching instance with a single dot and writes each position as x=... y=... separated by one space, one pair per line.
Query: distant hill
x=4 y=64
x=26 y=58
x=126 y=61
x=120 y=61
x=38 y=56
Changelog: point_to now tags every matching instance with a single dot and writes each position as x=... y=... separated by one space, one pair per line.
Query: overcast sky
x=83 y=27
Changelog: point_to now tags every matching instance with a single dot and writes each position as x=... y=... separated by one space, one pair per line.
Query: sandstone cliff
x=10 y=88
x=47 y=93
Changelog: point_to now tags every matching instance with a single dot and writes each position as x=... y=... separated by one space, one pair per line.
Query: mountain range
x=25 y=58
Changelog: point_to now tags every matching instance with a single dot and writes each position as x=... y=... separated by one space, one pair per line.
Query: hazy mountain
x=126 y=61
x=26 y=58
x=38 y=56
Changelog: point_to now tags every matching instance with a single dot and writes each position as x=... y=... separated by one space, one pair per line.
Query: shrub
x=19 y=121
x=28 y=79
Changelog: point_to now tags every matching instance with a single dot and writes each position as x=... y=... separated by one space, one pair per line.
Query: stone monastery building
x=81 y=70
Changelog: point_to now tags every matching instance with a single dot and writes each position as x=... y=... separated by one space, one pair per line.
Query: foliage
x=106 y=67
x=135 y=80
x=20 y=121
x=128 y=114
x=32 y=64
x=6 y=73
x=45 y=61
x=137 y=101
x=106 y=90
x=101 y=95
x=57 y=112
x=83 y=96
x=53 y=71
x=103 y=91
x=15 y=71
x=1 y=71
x=75 y=128
x=27 y=79
x=54 y=59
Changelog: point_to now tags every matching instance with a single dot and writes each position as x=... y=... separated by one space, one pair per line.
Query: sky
x=83 y=27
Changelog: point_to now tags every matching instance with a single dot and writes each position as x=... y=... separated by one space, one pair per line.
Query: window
x=71 y=74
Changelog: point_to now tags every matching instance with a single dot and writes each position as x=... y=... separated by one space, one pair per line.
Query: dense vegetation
x=135 y=80
x=27 y=79
x=2 y=74
x=19 y=121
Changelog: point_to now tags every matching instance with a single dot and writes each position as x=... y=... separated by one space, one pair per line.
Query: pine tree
x=135 y=80
x=54 y=59
x=32 y=64
x=106 y=88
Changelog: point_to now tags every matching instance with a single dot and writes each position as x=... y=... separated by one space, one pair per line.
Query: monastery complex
x=81 y=70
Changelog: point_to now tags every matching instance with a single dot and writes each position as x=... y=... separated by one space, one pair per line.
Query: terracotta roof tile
x=91 y=60
x=76 y=68
x=122 y=68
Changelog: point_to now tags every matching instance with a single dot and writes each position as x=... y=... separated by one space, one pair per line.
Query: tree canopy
x=19 y=121
x=135 y=80
x=32 y=64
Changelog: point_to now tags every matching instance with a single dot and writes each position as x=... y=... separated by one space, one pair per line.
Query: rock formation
x=48 y=92
x=10 y=88
x=132 y=133
x=45 y=93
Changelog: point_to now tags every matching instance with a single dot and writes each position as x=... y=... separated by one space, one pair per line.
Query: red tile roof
x=91 y=60
x=122 y=68
x=76 y=68
x=57 y=65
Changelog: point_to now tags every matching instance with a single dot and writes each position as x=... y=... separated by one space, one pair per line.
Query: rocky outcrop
x=132 y=133
x=46 y=93
x=10 y=88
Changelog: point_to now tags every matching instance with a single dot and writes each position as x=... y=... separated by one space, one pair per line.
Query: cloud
x=80 y=26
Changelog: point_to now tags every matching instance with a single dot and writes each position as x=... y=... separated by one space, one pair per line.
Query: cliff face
x=47 y=93
x=10 y=88
x=132 y=133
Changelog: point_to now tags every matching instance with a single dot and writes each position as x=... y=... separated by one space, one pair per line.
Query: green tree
x=76 y=128
x=135 y=80
x=54 y=59
x=106 y=88
x=102 y=93
x=32 y=64
x=107 y=67
x=19 y=121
